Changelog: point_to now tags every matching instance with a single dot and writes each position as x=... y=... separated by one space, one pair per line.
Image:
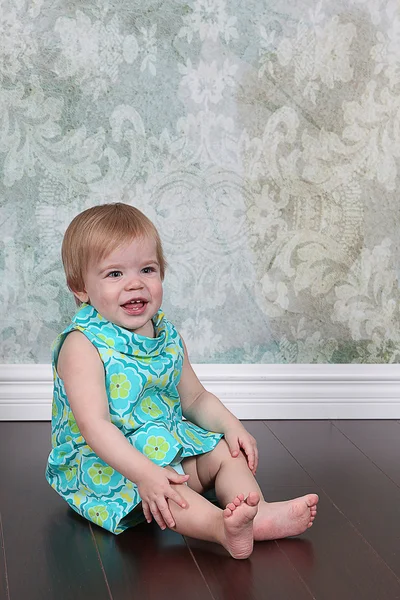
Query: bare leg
x=231 y=527
x=231 y=476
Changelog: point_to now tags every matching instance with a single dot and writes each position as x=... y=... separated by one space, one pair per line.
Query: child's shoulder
x=75 y=351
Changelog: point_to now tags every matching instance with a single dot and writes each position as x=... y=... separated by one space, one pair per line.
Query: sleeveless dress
x=141 y=378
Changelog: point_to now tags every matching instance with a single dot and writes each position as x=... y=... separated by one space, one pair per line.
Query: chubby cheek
x=106 y=295
x=157 y=292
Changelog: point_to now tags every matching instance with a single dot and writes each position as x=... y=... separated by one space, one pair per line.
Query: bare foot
x=238 y=524
x=277 y=520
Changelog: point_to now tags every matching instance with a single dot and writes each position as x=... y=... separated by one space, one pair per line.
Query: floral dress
x=141 y=378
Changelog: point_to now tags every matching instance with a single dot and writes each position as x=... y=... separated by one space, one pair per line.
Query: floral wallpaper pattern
x=262 y=138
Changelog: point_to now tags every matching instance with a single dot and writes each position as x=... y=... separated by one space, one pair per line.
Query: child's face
x=131 y=272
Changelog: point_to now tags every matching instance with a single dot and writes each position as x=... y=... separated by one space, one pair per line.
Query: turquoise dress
x=141 y=378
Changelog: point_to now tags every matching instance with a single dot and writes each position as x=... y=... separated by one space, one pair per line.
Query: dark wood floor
x=352 y=552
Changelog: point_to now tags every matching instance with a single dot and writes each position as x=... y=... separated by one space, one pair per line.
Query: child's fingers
x=233 y=444
x=256 y=459
x=157 y=515
x=146 y=512
x=173 y=495
x=176 y=477
x=251 y=459
x=250 y=451
x=166 y=513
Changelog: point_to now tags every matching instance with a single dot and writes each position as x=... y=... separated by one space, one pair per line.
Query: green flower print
x=108 y=341
x=98 y=514
x=104 y=354
x=100 y=474
x=170 y=401
x=69 y=472
x=150 y=408
x=156 y=447
x=194 y=439
x=120 y=386
x=176 y=436
x=72 y=424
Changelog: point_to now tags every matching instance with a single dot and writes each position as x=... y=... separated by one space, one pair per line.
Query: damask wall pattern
x=261 y=137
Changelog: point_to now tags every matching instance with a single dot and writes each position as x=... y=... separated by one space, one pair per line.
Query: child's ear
x=82 y=296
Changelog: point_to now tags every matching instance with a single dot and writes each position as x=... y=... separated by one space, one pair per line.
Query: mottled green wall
x=262 y=138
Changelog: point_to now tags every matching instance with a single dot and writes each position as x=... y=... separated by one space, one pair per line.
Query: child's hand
x=238 y=438
x=154 y=489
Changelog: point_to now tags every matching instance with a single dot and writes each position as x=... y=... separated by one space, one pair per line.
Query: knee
x=225 y=453
x=222 y=449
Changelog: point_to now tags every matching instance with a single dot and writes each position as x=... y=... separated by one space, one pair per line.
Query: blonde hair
x=98 y=231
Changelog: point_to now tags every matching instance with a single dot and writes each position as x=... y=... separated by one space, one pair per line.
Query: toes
x=253 y=499
x=237 y=501
x=312 y=500
x=227 y=512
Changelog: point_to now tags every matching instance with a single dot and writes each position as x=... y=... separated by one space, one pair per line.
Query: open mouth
x=135 y=307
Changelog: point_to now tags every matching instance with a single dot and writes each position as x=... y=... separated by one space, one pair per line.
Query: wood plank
x=49 y=549
x=3 y=567
x=360 y=491
x=51 y=552
x=267 y=574
x=275 y=472
x=331 y=558
x=145 y=562
x=379 y=440
x=334 y=560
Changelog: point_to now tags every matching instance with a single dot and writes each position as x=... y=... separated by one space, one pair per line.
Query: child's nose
x=134 y=283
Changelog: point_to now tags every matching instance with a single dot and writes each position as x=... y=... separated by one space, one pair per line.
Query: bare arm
x=206 y=410
x=82 y=371
x=200 y=406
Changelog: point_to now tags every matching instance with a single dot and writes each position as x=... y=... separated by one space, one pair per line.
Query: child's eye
x=148 y=270
x=114 y=274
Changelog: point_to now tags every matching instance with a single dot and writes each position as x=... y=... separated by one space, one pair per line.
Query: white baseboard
x=249 y=391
